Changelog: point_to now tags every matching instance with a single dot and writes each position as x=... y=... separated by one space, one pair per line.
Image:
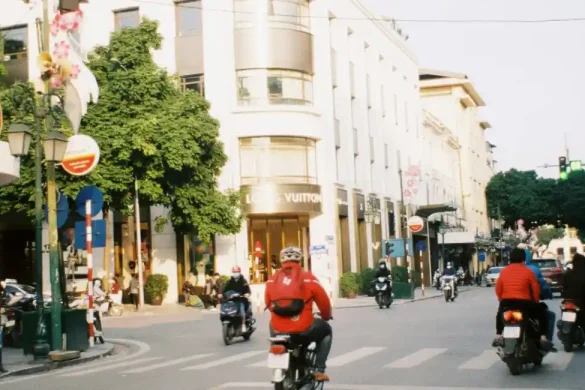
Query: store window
x=269 y=86
x=126 y=18
x=194 y=82
x=286 y=14
x=288 y=160
x=15 y=45
x=270 y=236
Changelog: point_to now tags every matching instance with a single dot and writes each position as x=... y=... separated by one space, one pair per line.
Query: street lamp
x=55 y=147
x=442 y=231
x=19 y=138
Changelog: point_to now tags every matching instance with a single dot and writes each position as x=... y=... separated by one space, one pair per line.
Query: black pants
x=321 y=333
x=134 y=299
x=531 y=309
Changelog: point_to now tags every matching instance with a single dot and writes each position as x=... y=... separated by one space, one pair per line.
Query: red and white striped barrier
x=89 y=248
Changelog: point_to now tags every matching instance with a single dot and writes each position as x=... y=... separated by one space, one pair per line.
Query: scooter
x=448 y=283
x=383 y=286
x=569 y=332
x=437 y=279
x=234 y=324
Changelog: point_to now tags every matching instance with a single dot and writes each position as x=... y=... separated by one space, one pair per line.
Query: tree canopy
x=514 y=195
x=150 y=130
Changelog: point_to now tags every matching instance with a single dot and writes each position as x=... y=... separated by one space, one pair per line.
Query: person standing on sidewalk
x=2 y=305
x=134 y=290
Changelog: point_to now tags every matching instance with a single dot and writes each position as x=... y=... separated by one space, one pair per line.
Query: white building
x=317 y=105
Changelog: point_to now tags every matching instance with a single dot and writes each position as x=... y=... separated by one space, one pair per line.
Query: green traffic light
x=564 y=175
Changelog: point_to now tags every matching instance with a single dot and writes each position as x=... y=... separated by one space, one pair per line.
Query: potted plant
x=157 y=286
x=348 y=285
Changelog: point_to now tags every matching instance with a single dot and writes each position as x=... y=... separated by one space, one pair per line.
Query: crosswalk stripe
x=557 y=361
x=352 y=356
x=261 y=363
x=416 y=358
x=481 y=362
x=109 y=367
x=231 y=359
x=165 y=364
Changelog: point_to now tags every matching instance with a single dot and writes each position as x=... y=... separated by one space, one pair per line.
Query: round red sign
x=416 y=224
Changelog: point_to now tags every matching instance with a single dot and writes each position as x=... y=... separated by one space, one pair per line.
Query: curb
x=402 y=301
x=49 y=366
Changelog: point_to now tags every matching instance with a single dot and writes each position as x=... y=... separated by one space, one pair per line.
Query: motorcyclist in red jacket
x=314 y=329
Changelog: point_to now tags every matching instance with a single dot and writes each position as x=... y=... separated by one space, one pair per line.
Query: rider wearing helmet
x=450 y=271
x=312 y=329
x=382 y=270
x=239 y=284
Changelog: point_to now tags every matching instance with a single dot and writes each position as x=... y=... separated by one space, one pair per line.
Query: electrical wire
x=445 y=21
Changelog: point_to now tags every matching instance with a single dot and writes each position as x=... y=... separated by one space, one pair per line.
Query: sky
x=529 y=74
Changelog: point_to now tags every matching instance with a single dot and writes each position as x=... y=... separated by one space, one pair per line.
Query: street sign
x=415 y=224
x=62 y=210
x=318 y=250
x=481 y=257
x=82 y=155
x=98 y=234
x=89 y=193
x=421 y=246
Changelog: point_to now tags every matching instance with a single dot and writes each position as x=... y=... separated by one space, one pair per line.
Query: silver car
x=492 y=276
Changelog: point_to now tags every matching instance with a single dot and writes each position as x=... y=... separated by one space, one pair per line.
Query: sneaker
x=546 y=345
x=321 y=376
x=498 y=341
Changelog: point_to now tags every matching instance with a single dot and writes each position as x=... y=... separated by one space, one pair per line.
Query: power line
x=436 y=21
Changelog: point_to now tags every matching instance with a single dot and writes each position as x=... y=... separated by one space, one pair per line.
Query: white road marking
x=143 y=348
x=352 y=356
x=261 y=363
x=165 y=364
x=227 y=360
x=109 y=367
x=481 y=362
x=557 y=361
x=334 y=386
x=416 y=358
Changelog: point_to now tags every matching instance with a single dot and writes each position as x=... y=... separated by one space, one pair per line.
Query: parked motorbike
x=233 y=323
x=12 y=317
x=108 y=307
x=383 y=286
x=570 y=333
x=292 y=363
x=437 y=279
x=521 y=341
x=448 y=283
x=460 y=278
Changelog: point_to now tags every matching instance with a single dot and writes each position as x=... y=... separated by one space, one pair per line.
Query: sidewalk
x=365 y=301
x=19 y=364
x=152 y=315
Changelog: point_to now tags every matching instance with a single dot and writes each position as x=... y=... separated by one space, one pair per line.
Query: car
x=492 y=276
x=552 y=271
x=19 y=289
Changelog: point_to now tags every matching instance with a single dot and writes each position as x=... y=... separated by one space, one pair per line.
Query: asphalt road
x=427 y=345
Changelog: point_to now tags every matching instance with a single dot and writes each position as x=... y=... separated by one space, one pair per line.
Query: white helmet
x=291 y=253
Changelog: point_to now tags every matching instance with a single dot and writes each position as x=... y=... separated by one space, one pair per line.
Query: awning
x=428 y=210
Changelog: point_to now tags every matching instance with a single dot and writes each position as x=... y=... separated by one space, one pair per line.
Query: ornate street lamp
x=19 y=138
x=442 y=231
x=55 y=147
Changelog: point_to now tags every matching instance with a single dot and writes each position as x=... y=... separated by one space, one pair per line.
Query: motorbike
x=437 y=279
x=233 y=323
x=521 y=343
x=12 y=317
x=460 y=278
x=570 y=333
x=383 y=286
x=448 y=283
x=108 y=307
x=293 y=363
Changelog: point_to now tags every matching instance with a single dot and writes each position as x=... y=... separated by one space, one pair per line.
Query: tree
x=548 y=233
x=148 y=130
x=514 y=195
x=571 y=199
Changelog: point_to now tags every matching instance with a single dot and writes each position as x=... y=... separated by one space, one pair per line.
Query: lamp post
x=442 y=232
x=372 y=216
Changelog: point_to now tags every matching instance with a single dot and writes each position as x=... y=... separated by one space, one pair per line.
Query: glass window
x=194 y=82
x=289 y=14
x=277 y=160
x=126 y=18
x=261 y=86
x=15 y=42
x=189 y=18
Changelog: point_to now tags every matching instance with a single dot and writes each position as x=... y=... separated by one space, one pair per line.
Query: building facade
x=319 y=105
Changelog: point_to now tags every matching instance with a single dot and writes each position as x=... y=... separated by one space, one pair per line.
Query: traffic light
x=563 y=168
x=389 y=247
x=576 y=165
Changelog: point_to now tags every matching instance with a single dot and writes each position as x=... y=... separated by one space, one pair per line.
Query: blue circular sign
x=93 y=194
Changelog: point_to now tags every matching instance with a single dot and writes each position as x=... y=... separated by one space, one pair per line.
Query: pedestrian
x=134 y=290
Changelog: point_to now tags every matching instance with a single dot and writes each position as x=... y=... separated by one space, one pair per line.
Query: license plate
x=569 y=316
x=9 y=324
x=278 y=361
x=511 y=332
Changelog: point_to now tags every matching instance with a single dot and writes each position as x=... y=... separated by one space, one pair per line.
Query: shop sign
x=82 y=155
x=318 y=250
x=360 y=206
x=281 y=198
x=342 y=204
x=416 y=224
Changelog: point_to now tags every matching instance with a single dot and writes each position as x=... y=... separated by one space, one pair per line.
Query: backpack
x=288 y=293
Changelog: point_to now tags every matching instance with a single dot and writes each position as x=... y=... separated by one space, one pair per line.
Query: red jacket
x=314 y=292
x=517 y=281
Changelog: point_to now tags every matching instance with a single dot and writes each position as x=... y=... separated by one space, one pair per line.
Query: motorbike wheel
x=115 y=311
x=227 y=338
x=514 y=365
x=389 y=303
x=568 y=345
x=447 y=298
x=538 y=361
x=380 y=302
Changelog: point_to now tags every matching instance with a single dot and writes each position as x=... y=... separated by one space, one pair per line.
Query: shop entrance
x=271 y=235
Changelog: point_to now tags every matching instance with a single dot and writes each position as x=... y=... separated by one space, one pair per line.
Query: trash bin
x=29 y=330
x=403 y=290
x=73 y=324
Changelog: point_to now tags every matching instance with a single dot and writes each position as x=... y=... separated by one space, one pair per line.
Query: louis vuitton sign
x=281 y=198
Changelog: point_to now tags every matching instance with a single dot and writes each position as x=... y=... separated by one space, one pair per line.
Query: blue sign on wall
x=481 y=257
x=398 y=247
x=98 y=234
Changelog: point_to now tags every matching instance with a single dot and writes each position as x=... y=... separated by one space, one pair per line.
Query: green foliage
x=517 y=194
x=157 y=285
x=571 y=200
x=546 y=234
x=348 y=283
x=366 y=277
x=416 y=279
x=149 y=130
